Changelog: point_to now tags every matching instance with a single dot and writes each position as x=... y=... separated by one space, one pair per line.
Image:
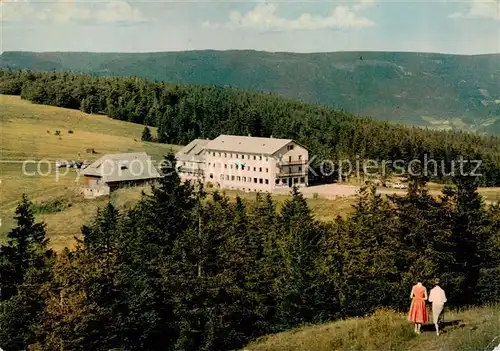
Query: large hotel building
x=245 y=162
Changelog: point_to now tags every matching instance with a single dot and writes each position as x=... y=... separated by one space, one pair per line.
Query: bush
x=146 y=134
x=51 y=206
x=488 y=286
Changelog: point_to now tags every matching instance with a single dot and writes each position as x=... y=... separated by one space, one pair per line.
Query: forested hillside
x=185 y=112
x=436 y=90
x=186 y=271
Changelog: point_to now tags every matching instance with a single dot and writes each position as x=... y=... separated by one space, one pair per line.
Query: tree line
x=188 y=270
x=182 y=113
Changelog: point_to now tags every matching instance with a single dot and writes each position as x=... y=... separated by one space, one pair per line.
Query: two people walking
x=418 y=309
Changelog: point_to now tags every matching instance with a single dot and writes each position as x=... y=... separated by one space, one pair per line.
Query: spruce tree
x=26 y=245
x=297 y=286
x=368 y=263
x=470 y=235
x=155 y=225
x=423 y=228
x=25 y=269
x=146 y=134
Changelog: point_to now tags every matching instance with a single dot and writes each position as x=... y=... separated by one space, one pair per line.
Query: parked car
x=399 y=185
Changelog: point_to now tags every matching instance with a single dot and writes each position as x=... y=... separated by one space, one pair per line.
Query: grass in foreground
x=469 y=330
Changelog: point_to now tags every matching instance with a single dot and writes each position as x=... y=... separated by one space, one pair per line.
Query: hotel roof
x=247 y=144
x=192 y=151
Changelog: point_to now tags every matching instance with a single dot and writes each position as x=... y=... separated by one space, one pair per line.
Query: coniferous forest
x=184 y=112
x=186 y=270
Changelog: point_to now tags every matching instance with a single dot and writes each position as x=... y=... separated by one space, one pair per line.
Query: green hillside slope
x=437 y=90
x=28 y=133
x=473 y=329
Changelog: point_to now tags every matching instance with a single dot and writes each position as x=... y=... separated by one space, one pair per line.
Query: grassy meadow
x=476 y=329
x=28 y=132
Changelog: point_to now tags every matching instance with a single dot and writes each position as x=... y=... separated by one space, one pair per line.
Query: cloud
x=264 y=17
x=481 y=9
x=67 y=11
x=120 y=11
x=13 y=10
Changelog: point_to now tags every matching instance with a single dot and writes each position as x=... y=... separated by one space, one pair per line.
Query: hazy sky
x=464 y=27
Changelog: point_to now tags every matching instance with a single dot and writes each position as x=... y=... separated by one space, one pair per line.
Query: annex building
x=245 y=162
x=113 y=171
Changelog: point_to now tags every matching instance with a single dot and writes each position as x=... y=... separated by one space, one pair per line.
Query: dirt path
x=332 y=191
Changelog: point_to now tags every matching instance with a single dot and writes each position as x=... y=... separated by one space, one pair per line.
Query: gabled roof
x=123 y=167
x=247 y=144
x=192 y=151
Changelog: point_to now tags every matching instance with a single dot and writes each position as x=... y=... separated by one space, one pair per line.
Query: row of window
x=257 y=180
x=241 y=179
x=242 y=156
x=238 y=156
x=248 y=168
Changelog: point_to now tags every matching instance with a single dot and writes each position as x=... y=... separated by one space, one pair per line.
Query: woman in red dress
x=418 y=309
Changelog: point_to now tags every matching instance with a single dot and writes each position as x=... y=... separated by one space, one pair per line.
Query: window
x=249 y=179
x=295 y=180
x=231 y=155
x=255 y=180
x=227 y=177
x=302 y=179
x=217 y=153
x=260 y=169
x=284 y=181
x=232 y=177
x=248 y=168
x=225 y=155
x=238 y=178
x=254 y=169
x=225 y=166
x=289 y=147
x=267 y=170
x=260 y=180
x=244 y=179
x=260 y=158
x=277 y=181
x=267 y=181
x=214 y=153
x=209 y=163
x=242 y=157
x=300 y=157
x=289 y=158
x=300 y=169
x=211 y=176
x=254 y=158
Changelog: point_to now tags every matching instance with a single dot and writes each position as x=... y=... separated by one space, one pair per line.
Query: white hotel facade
x=245 y=163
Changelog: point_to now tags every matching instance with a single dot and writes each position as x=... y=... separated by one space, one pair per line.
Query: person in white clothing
x=438 y=298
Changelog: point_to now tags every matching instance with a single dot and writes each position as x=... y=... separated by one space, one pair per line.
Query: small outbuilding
x=119 y=170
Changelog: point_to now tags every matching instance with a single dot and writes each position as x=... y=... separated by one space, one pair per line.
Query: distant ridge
x=442 y=91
